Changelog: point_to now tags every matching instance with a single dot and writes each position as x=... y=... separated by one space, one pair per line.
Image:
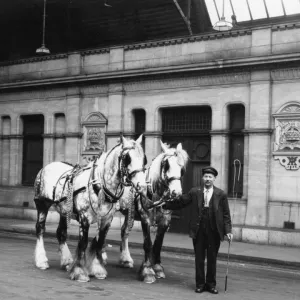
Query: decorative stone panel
x=287 y=136
x=94 y=129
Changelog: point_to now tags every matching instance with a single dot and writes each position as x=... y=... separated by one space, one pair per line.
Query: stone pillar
x=73 y=133
x=261 y=41
x=116 y=59
x=259 y=148
x=6 y=130
x=13 y=151
x=115 y=125
x=152 y=145
x=48 y=140
x=219 y=156
x=74 y=64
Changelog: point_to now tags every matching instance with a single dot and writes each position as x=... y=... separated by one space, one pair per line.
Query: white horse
x=164 y=184
x=89 y=194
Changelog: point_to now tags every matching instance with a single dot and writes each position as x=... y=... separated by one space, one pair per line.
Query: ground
x=20 y=279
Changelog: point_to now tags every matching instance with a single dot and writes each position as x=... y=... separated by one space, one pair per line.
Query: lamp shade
x=222 y=25
x=42 y=50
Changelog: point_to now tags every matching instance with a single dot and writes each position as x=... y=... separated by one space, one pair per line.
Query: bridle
x=165 y=181
x=125 y=175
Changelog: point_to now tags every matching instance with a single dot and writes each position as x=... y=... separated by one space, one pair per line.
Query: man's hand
x=229 y=237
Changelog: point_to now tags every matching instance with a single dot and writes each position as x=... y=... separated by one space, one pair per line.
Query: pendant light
x=222 y=24
x=43 y=49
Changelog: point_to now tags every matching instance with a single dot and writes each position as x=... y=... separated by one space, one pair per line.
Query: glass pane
x=241 y=10
x=274 y=8
x=212 y=11
x=292 y=6
x=257 y=8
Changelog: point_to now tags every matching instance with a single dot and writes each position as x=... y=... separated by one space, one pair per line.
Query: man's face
x=208 y=180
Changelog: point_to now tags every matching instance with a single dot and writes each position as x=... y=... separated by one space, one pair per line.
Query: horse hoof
x=160 y=274
x=149 y=279
x=100 y=276
x=43 y=266
x=83 y=278
x=126 y=264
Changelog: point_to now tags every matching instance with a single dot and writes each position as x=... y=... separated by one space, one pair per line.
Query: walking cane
x=235 y=163
x=229 y=242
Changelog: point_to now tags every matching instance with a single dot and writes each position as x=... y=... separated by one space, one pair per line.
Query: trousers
x=206 y=244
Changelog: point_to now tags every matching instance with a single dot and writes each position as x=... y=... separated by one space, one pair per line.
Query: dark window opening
x=33 y=129
x=139 y=124
x=236 y=150
x=186 y=120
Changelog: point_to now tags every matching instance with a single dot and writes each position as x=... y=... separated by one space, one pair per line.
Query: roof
x=84 y=24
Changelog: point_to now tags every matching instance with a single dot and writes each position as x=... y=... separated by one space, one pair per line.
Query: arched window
x=236 y=150
x=139 y=123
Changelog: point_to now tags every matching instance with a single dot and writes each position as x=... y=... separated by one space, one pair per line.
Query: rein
x=124 y=175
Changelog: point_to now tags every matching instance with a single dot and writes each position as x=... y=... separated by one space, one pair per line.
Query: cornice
x=11 y=136
x=95 y=51
x=125 y=75
x=281 y=27
x=188 y=39
x=219 y=132
x=34 y=59
x=258 y=131
x=287 y=73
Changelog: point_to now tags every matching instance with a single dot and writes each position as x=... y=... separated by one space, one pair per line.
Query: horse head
x=132 y=161
x=167 y=171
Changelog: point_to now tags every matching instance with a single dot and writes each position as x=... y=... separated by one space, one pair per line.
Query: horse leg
x=146 y=272
x=66 y=259
x=96 y=266
x=40 y=257
x=78 y=269
x=125 y=258
x=158 y=268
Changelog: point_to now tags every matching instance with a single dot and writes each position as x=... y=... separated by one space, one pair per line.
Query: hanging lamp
x=222 y=24
x=43 y=49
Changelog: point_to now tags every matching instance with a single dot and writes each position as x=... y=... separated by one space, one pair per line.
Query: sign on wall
x=94 y=128
x=287 y=136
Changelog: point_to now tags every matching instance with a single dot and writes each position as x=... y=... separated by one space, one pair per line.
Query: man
x=210 y=222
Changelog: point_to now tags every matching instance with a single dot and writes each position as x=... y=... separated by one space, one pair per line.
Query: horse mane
x=154 y=174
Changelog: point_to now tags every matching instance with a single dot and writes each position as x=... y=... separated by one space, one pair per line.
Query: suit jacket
x=195 y=198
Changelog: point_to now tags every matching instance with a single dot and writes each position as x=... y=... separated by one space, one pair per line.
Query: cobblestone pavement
x=19 y=279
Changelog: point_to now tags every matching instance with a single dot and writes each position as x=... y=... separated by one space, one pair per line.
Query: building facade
x=232 y=99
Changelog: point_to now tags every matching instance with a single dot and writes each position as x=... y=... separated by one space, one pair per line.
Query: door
x=189 y=126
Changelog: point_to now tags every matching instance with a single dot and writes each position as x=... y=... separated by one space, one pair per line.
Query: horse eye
x=145 y=160
x=166 y=165
x=127 y=160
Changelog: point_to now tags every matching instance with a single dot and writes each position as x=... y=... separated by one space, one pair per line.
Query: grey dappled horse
x=88 y=194
x=164 y=184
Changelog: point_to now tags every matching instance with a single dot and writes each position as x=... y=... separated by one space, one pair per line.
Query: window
x=33 y=129
x=236 y=150
x=139 y=124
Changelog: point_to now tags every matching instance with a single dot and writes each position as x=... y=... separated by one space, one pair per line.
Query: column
x=14 y=167
x=6 y=126
x=115 y=125
x=259 y=148
x=73 y=132
x=219 y=156
x=74 y=64
x=48 y=140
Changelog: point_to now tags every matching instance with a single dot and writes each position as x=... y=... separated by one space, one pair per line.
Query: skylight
x=246 y=10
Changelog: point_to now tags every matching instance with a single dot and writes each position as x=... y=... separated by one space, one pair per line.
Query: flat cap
x=210 y=170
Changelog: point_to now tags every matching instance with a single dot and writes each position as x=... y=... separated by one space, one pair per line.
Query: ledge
x=123 y=75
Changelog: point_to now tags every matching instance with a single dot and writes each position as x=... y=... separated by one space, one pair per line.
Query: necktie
x=206 y=198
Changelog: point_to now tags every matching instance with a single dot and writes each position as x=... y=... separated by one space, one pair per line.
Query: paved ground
x=19 y=279
x=176 y=243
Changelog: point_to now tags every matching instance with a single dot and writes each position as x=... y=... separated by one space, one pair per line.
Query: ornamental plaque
x=94 y=129
x=287 y=136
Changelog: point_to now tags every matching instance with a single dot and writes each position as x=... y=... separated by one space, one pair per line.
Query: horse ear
x=140 y=139
x=179 y=147
x=124 y=141
x=163 y=147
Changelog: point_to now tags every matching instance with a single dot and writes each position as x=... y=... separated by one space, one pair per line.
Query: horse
x=164 y=184
x=89 y=195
